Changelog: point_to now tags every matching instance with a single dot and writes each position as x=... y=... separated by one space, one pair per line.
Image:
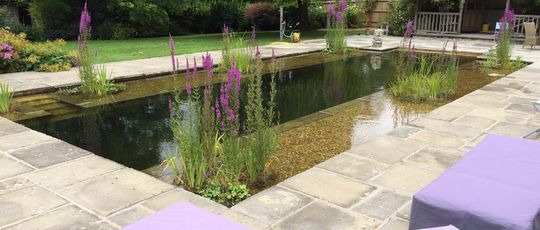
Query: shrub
x=401 y=12
x=39 y=56
x=354 y=15
x=317 y=17
x=262 y=15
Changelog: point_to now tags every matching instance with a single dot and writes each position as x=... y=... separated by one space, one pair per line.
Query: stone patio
x=45 y=182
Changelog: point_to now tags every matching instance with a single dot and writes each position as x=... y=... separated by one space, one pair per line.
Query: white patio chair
x=531 y=37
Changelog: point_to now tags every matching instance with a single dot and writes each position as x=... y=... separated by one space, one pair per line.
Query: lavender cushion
x=184 y=215
x=495 y=186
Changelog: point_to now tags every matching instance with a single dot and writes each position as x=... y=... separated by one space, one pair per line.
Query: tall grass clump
x=239 y=48
x=215 y=154
x=95 y=80
x=425 y=77
x=5 y=98
x=500 y=58
x=335 y=35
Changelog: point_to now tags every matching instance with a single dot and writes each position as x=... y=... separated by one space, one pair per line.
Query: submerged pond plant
x=425 y=77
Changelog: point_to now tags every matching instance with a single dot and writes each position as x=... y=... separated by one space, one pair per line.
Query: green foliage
x=428 y=78
x=355 y=15
x=234 y=193
x=5 y=98
x=401 y=12
x=260 y=119
x=241 y=49
x=500 y=59
x=46 y=56
x=262 y=15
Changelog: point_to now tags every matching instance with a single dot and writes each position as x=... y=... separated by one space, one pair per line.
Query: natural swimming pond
x=136 y=132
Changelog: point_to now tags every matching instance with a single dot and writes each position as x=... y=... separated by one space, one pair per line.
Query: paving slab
x=523 y=108
x=178 y=194
x=73 y=172
x=436 y=158
x=405 y=212
x=395 y=224
x=508 y=129
x=475 y=122
x=10 y=167
x=434 y=138
x=272 y=205
x=406 y=178
x=50 y=153
x=359 y=168
x=9 y=127
x=319 y=215
x=381 y=149
x=445 y=127
x=13 y=184
x=382 y=205
x=115 y=191
x=27 y=202
x=19 y=140
x=330 y=187
x=67 y=217
x=450 y=111
x=244 y=220
x=130 y=215
x=501 y=115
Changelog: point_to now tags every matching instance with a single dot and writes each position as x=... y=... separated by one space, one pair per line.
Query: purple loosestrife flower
x=188 y=83
x=225 y=30
x=195 y=70
x=410 y=29
x=84 y=24
x=208 y=64
x=171 y=46
x=331 y=9
x=508 y=17
x=342 y=6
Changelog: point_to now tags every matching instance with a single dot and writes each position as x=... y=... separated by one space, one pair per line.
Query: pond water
x=136 y=133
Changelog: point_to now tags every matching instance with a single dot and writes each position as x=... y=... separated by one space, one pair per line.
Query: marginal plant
x=335 y=35
x=94 y=79
x=5 y=98
x=238 y=48
x=425 y=77
x=501 y=57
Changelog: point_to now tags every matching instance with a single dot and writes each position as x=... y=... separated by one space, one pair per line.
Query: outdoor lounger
x=184 y=215
x=495 y=186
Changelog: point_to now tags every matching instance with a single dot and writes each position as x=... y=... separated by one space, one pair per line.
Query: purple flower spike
x=342 y=6
x=339 y=16
x=331 y=9
x=171 y=46
x=195 y=68
x=225 y=29
x=188 y=83
x=410 y=29
x=84 y=24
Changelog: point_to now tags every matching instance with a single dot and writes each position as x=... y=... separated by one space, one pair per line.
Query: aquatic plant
x=5 y=98
x=425 y=77
x=230 y=195
x=240 y=49
x=260 y=121
x=94 y=79
x=335 y=35
x=501 y=57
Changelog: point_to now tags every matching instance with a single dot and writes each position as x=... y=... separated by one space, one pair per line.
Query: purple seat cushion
x=495 y=186
x=184 y=215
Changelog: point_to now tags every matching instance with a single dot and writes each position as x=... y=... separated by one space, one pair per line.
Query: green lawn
x=130 y=49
